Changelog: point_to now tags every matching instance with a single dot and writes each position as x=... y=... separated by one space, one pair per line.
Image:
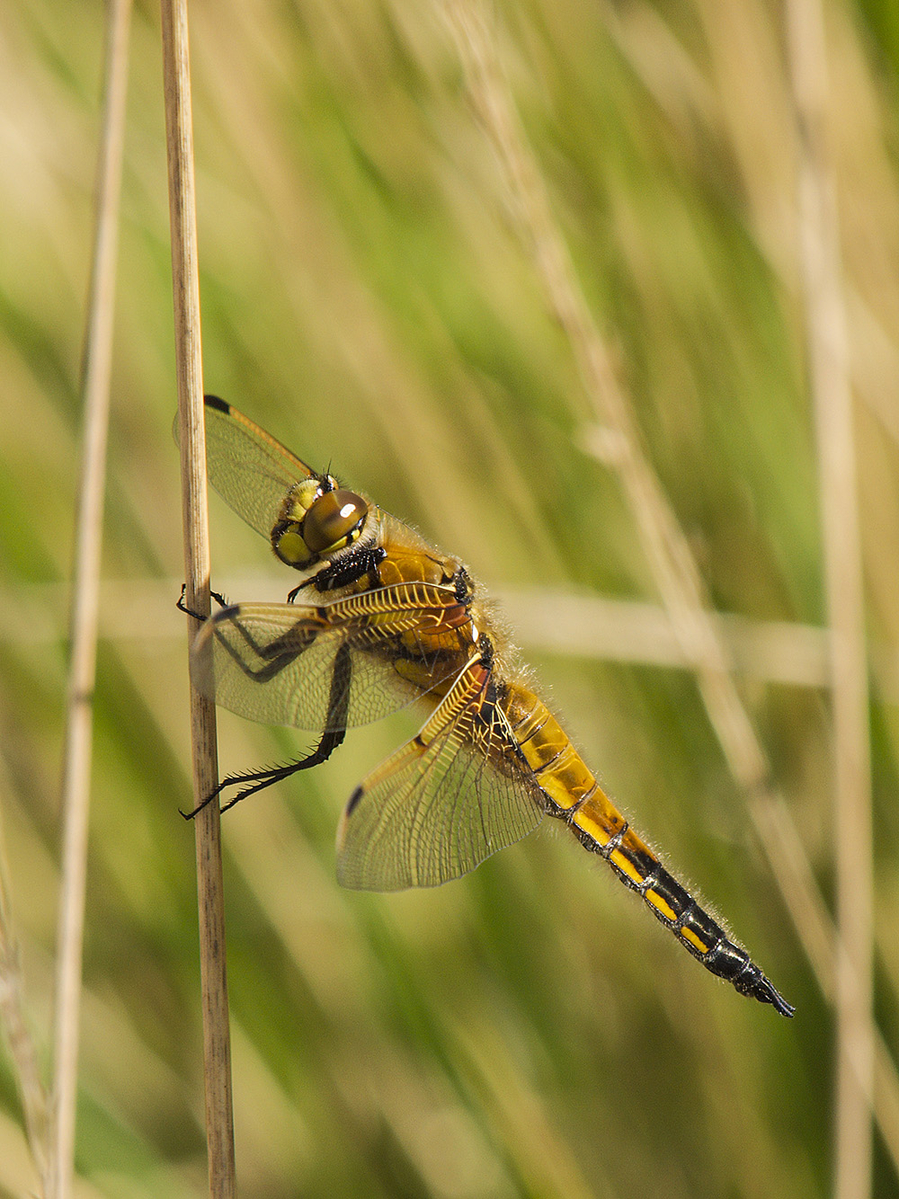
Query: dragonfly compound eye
x=335 y=520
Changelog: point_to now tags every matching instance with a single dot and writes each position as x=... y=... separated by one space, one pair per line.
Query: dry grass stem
x=186 y=288
x=828 y=358
x=665 y=544
x=78 y=745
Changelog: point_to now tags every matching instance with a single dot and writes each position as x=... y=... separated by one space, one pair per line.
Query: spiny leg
x=338 y=704
x=260 y=779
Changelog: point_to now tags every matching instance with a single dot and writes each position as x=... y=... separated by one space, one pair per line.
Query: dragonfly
x=382 y=619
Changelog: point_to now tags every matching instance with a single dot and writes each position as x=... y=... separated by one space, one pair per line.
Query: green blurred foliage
x=528 y=1031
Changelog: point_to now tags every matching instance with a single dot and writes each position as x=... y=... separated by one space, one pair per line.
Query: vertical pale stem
x=186 y=289
x=78 y=745
x=828 y=357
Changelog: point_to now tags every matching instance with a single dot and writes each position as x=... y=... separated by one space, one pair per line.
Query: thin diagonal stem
x=77 y=753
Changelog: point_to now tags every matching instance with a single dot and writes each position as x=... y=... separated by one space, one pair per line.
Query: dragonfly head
x=318 y=519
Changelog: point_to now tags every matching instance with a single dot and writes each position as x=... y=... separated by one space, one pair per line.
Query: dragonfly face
x=386 y=620
x=318 y=520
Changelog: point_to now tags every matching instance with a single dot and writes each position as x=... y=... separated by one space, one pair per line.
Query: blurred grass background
x=529 y=1031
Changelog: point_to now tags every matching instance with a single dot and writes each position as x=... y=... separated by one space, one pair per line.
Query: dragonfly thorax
x=318 y=520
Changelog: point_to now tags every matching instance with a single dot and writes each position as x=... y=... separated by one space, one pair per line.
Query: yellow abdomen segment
x=573 y=794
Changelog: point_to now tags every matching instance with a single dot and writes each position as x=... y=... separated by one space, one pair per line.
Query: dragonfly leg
x=355 y=564
x=182 y=606
x=275 y=656
x=258 y=780
x=335 y=732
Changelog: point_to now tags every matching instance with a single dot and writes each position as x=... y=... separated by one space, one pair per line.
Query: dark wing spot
x=353 y=801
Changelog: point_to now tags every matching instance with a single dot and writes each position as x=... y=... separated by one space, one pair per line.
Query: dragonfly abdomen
x=572 y=793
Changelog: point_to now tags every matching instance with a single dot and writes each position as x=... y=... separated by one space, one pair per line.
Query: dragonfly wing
x=334 y=665
x=452 y=796
x=253 y=472
x=249 y=469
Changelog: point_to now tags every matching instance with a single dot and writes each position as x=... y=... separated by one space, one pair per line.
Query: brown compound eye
x=335 y=520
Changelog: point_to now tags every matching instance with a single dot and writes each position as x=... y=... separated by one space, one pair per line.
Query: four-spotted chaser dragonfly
x=380 y=620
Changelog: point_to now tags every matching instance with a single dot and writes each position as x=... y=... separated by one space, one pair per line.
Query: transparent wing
x=452 y=796
x=249 y=469
x=252 y=471
x=334 y=665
